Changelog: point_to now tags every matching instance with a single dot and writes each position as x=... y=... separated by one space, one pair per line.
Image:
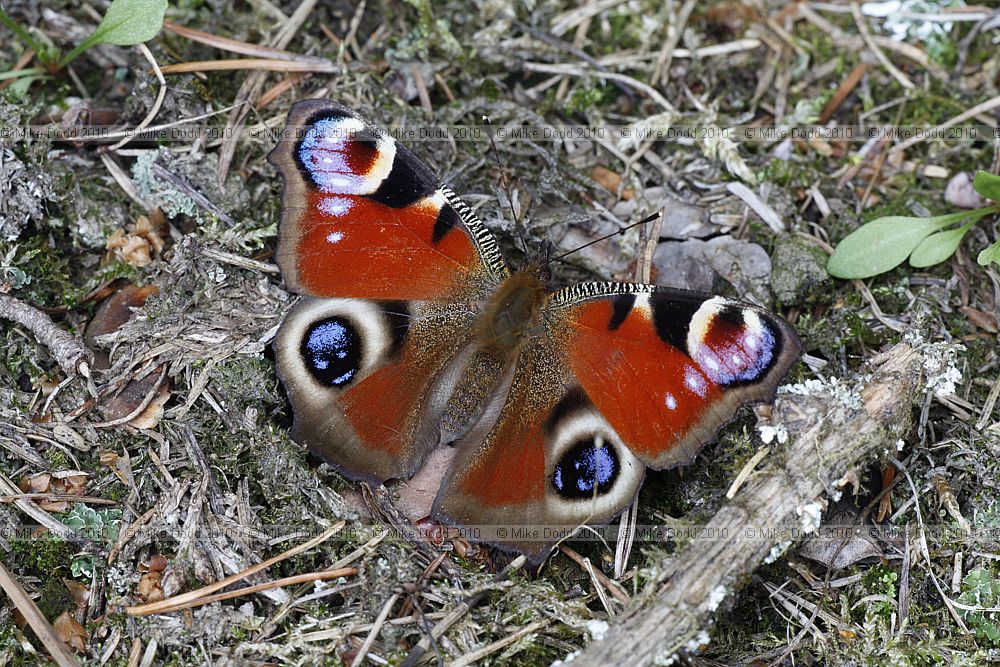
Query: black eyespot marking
x=588 y=469
x=731 y=314
x=621 y=306
x=672 y=318
x=331 y=351
x=408 y=181
x=447 y=220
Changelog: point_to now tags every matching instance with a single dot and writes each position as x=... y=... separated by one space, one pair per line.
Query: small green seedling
x=884 y=243
x=126 y=23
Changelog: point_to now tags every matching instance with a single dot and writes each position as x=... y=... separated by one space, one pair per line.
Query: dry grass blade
x=666 y=55
x=575 y=70
x=613 y=588
x=260 y=64
x=236 y=46
x=247 y=590
x=33 y=615
x=155 y=109
x=376 y=628
x=477 y=655
x=839 y=95
x=170 y=603
x=859 y=20
x=937 y=130
x=460 y=610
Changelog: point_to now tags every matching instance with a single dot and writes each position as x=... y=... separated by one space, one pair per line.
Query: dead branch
x=827 y=437
x=68 y=350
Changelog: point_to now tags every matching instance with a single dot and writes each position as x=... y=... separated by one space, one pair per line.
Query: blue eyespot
x=331 y=350
x=586 y=470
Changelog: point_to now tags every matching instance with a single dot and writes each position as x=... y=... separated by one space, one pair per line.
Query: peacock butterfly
x=414 y=337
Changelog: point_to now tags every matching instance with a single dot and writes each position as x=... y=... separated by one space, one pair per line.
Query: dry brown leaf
x=150 y=588
x=610 y=181
x=71 y=632
x=108 y=458
x=80 y=593
x=985 y=321
x=157 y=563
x=129 y=399
x=74 y=485
x=116 y=310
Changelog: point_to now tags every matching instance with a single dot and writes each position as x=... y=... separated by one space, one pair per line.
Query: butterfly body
x=415 y=340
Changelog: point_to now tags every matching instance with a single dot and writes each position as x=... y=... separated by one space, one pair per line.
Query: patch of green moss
x=881 y=581
x=44 y=556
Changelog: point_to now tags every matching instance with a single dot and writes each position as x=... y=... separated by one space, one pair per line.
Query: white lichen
x=848 y=396
x=940 y=362
x=716 y=597
x=597 y=629
x=770 y=432
x=777 y=551
x=810 y=515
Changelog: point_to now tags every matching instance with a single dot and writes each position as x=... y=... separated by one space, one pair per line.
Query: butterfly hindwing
x=547 y=464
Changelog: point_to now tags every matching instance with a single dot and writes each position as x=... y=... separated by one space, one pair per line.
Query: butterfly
x=415 y=336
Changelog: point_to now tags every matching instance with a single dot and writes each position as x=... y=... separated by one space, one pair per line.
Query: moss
x=44 y=556
x=247 y=382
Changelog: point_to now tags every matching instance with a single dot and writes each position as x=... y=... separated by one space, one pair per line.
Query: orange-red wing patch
x=383 y=408
x=652 y=393
x=512 y=471
x=351 y=246
x=362 y=217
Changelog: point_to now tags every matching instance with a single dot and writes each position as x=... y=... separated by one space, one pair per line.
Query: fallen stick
x=69 y=351
x=827 y=437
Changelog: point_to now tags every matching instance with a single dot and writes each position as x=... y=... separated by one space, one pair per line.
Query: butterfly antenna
x=624 y=229
x=506 y=187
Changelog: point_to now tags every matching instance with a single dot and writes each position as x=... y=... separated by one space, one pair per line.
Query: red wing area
x=653 y=394
x=667 y=368
x=363 y=217
x=512 y=473
x=352 y=246
x=547 y=464
x=384 y=408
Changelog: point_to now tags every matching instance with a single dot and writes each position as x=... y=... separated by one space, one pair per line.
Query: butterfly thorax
x=511 y=312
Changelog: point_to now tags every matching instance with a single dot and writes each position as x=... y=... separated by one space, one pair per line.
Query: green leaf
x=987 y=185
x=991 y=254
x=939 y=246
x=126 y=22
x=21 y=33
x=884 y=243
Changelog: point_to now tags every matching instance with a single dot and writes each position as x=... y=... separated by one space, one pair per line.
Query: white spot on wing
x=695 y=382
x=335 y=237
x=335 y=206
x=671 y=401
